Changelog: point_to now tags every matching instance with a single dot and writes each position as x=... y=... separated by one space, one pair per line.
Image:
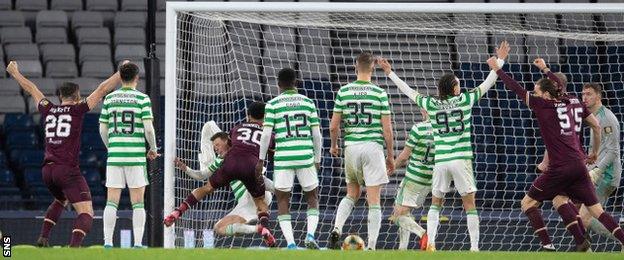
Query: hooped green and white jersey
x=292 y=116
x=124 y=110
x=238 y=188
x=420 y=166
x=362 y=104
x=451 y=122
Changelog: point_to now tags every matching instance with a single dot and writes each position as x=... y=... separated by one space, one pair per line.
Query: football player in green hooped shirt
x=451 y=116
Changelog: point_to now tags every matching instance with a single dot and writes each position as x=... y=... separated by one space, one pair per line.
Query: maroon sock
x=263 y=218
x=611 y=225
x=52 y=215
x=189 y=202
x=82 y=226
x=537 y=222
x=567 y=214
x=578 y=216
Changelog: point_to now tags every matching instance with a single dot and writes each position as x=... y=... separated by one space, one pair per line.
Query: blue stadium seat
x=7 y=179
x=10 y=191
x=21 y=140
x=18 y=122
x=31 y=158
x=97 y=190
x=92 y=141
x=91 y=174
x=89 y=159
x=32 y=177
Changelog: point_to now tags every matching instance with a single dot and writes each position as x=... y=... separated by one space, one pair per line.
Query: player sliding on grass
x=238 y=164
x=451 y=121
x=416 y=184
x=559 y=116
x=61 y=172
x=235 y=222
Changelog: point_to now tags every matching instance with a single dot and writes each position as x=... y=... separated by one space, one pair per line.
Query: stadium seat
x=129 y=52
x=133 y=5
x=12 y=18
x=5 y=4
x=9 y=87
x=130 y=19
x=57 y=52
x=2 y=73
x=18 y=122
x=51 y=35
x=33 y=177
x=94 y=52
x=160 y=36
x=10 y=35
x=96 y=69
x=131 y=35
x=61 y=69
x=31 y=158
x=31 y=5
x=52 y=18
x=21 y=140
x=161 y=21
x=87 y=85
x=99 y=5
x=86 y=19
x=7 y=179
x=161 y=5
x=160 y=52
x=88 y=159
x=66 y=5
x=46 y=86
x=21 y=51
x=12 y=104
x=30 y=68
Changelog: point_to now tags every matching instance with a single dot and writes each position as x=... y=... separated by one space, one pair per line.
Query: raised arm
x=501 y=52
x=387 y=68
x=26 y=84
x=509 y=82
x=541 y=65
x=104 y=87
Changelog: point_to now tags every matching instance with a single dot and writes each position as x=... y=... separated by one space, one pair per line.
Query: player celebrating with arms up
x=61 y=172
x=559 y=116
x=451 y=121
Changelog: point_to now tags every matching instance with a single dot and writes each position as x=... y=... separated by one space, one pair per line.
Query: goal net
x=220 y=61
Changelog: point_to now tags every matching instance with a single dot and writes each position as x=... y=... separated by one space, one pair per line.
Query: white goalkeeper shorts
x=246 y=207
x=365 y=164
x=457 y=171
x=284 y=180
x=120 y=176
x=411 y=194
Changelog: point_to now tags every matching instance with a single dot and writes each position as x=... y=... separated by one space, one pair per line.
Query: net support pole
x=154 y=202
x=170 y=121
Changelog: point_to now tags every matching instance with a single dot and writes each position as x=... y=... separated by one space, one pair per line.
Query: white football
x=353 y=242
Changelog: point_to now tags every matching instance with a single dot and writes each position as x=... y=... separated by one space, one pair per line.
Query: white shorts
x=246 y=207
x=365 y=164
x=120 y=176
x=285 y=179
x=458 y=171
x=411 y=194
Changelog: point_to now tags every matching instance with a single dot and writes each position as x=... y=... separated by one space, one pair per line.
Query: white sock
x=313 y=219
x=404 y=236
x=408 y=223
x=433 y=220
x=239 y=229
x=138 y=223
x=286 y=226
x=374 y=224
x=344 y=210
x=473 y=228
x=109 y=218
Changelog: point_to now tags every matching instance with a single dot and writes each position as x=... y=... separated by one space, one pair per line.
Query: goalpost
x=221 y=56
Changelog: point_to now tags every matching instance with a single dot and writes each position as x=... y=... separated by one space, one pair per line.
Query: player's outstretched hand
x=539 y=63
x=151 y=155
x=180 y=164
x=335 y=151
x=12 y=67
x=385 y=65
x=502 y=51
x=493 y=63
x=591 y=158
x=389 y=165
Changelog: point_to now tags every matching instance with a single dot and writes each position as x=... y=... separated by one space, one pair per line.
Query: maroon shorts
x=571 y=179
x=242 y=167
x=66 y=183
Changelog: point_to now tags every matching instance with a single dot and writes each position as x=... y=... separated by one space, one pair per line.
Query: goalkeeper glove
x=594 y=174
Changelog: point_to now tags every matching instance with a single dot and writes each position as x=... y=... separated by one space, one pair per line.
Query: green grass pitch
x=241 y=254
